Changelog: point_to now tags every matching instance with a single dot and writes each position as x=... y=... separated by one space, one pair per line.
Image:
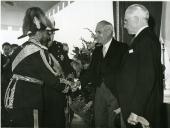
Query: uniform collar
x=35 y=41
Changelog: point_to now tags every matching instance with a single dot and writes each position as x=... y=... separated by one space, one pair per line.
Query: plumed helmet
x=34 y=20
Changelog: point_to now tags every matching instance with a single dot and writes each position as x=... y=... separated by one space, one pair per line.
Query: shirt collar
x=141 y=30
x=107 y=44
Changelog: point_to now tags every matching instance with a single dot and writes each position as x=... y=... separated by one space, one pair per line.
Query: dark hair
x=5 y=43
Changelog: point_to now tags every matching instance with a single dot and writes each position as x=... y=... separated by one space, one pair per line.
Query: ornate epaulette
x=26 y=51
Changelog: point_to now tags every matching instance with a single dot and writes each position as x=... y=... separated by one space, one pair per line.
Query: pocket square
x=131 y=51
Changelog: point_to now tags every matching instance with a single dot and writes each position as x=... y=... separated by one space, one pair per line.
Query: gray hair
x=138 y=10
x=107 y=24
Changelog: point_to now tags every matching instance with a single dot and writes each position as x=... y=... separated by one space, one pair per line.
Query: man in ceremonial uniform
x=34 y=71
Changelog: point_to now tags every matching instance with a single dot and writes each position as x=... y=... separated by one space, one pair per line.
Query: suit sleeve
x=90 y=74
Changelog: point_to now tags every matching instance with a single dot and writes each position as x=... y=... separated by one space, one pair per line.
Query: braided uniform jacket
x=33 y=61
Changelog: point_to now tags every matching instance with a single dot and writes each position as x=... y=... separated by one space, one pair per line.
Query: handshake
x=71 y=85
x=134 y=119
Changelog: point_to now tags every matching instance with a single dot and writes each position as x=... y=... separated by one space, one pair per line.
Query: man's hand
x=132 y=119
x=66 y=82
x=117 y=111
x=75 y=85
x=87 y=106
x=66 y=89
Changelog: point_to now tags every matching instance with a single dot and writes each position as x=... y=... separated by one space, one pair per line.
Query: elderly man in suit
x=140 y=86
x=102 y=72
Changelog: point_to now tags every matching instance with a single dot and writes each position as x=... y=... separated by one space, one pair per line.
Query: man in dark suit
x=102 y=72
x=140 y=86
x=57 y=49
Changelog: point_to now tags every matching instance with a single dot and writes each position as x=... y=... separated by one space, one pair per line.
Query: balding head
x=136 y=16
x=107 y=25
x=138 y=10
x=104 y=32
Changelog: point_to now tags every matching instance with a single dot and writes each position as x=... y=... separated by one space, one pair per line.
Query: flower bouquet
x=82 y=100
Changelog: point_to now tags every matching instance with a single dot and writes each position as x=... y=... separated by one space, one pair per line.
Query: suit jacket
x=106 y=69
x=57 y=50
x=140 y=80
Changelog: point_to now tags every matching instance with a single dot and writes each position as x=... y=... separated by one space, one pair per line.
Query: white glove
x=134 y=119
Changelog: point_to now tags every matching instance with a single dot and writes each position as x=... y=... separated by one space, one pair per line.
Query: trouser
x=104 y=106
x=25 y=118
x=5 y=122
x=54 y=103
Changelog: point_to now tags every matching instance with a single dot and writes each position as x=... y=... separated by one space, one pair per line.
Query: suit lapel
x=110 y=49
x=138 y=37
x=99 y=54
x=134 y=44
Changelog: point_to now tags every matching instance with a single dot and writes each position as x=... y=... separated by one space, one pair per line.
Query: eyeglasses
x=50 y=32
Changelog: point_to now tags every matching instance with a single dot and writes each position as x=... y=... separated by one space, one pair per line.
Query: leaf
x=92 y=34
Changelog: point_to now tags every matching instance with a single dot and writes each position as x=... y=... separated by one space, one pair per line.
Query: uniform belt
x=28 y=79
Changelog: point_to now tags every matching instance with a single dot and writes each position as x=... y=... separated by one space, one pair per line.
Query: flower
x=84 y=54
x=82 y=101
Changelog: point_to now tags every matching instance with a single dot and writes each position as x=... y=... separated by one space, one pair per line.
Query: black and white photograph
x=85 y=64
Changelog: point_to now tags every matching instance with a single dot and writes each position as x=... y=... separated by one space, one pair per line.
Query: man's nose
x=95 y=36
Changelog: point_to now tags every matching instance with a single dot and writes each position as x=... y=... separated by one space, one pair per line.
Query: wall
x=78 y=15
x=9 y=32
x=12 y=18
x=71 y=18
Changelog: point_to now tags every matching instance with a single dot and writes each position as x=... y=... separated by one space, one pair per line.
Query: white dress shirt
x=106 y=47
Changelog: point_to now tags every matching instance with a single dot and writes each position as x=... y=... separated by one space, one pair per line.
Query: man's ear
x=137 y=20
x=108 y=29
